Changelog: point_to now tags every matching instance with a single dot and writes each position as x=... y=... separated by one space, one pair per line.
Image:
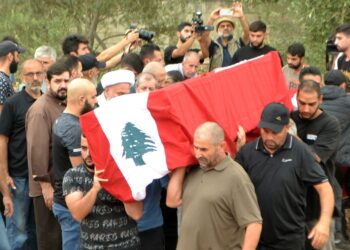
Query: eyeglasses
x=31 y=74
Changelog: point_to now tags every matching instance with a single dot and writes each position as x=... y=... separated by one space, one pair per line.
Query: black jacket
x=337 y=103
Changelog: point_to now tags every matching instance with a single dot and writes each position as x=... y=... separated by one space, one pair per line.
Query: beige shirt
x=291 y=77
x=39 y=122
x=217 y=206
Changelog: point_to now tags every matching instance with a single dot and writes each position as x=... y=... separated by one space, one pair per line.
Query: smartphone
x=226 y=12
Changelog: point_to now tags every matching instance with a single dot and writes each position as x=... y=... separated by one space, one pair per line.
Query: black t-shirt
x=12 y=125
x=322 y=136
x=66 y=139
x=344 y=65
x=280 y=182
x=247 y=52
x=107 y=226
x=168 y=59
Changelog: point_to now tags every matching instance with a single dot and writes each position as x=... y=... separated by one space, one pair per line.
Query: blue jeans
x=21 y=226
x=3 y=237
x=70 y=228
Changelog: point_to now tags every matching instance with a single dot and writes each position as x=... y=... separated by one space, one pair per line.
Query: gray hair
x=191 y=54
x=45 y=51
x=145 y=76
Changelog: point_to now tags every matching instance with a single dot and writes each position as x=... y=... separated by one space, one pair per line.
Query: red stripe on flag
x=232 y=97
x=100 y=152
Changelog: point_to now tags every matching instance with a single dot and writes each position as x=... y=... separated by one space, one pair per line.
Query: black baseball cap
x=274 y=116
x=89 y=61
x=335 y=77
x=9 y=46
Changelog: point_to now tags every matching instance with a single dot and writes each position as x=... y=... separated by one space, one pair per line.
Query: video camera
x=143 y=34
x=198 y=21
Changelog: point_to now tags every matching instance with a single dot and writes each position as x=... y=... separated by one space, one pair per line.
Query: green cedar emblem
x=136 y=143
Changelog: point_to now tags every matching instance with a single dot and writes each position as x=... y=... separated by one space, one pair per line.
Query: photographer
x=185 y=39
x=221 y=51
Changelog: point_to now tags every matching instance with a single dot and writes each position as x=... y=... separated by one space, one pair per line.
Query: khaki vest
x=218 y=56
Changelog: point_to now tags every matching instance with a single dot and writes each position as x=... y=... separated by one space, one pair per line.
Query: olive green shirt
x=217 y=206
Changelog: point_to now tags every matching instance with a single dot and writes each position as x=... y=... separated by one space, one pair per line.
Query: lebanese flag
x=140 y=137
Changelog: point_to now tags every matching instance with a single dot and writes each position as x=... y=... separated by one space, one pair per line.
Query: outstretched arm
x=238 y=12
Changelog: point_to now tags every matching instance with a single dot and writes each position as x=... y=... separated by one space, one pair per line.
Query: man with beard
x=219 y=205
x=281 y=168
x=342 y=41
x=13 y=157
x=295 y=63
x=257 y=46
x=88 y=203
x=9 y=58
x=221 y=51
x=39 y=122
x=66 y=153
x=115 y=83
x=185 y=38
x=321 y=132
x=91 y=67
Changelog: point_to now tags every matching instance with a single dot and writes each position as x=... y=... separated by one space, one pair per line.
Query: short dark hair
x=133 y=61
x=72 y=62
x=10 y=38
x=147 y=50
x=344 y=28
x=175 y=76
x=71 y=43
x=57 y=68
x=311 y=70
x=296 y=49
x=182 y=25
x=309 y=86
x=257 y=26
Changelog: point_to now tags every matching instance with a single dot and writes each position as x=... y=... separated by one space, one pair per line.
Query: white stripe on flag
x=133 y=126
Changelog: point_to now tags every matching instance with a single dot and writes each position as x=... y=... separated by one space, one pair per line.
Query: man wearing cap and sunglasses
x=9 y=59
x=221 y=51
x=281 y=167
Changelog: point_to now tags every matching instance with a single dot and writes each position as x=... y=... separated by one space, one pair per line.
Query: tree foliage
x=38 y=22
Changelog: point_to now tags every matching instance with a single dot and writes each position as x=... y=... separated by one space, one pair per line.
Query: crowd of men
x=283 y=190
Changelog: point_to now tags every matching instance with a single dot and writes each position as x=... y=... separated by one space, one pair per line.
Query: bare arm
x=238 y=12
x=134 y=209
x=80 y=205
x=174 y=191
x=183 y=47
x=320 y=232
x=47 y=191
x=252 y=236
x=7 y=200
x=3 y=165
x=204 y=43
x=115 y=49
x=114 y=61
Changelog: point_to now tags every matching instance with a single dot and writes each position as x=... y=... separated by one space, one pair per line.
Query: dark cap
x=335 y=77
x=9 y=46
x=274 y=116
x=89 y=61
